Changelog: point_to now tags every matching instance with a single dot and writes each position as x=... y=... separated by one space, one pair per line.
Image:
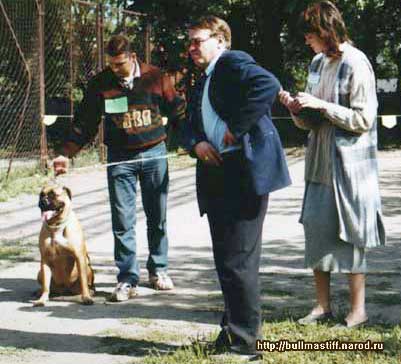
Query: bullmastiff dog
x=65 y=267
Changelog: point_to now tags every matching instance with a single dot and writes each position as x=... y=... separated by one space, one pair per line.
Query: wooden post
x=100 y=66
x=42 y=95
x=148 y=31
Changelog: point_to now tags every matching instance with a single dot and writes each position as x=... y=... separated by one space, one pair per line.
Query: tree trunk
x=399 y=74
x=269 y=27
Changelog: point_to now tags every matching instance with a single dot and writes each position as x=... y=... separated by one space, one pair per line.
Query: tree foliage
x=268 y=30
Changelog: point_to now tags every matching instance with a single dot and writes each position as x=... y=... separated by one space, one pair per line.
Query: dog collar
x=59 y=226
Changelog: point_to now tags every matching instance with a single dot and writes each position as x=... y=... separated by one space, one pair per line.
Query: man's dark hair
x=118 y=44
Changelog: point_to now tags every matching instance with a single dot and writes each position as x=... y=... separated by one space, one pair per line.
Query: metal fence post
x=71 y=64
x=148 y=31
x=41 y=37
x=100 y=66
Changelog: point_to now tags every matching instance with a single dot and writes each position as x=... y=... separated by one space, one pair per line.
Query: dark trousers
x=235 y=214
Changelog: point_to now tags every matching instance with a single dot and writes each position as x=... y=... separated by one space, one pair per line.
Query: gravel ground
x=65 y=331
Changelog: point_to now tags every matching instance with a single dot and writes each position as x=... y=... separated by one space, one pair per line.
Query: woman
x=341 y=211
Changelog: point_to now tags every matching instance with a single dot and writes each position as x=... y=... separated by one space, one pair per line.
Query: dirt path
x=65 y=331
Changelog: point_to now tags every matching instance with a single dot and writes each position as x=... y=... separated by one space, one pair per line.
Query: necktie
x=127 y=83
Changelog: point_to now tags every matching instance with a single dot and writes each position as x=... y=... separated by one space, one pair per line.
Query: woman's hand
x=289 y=102
x=304 y=99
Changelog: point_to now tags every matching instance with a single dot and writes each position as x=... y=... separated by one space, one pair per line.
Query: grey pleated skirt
x=324 y=250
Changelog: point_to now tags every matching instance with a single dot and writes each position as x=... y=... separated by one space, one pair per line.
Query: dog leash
x=130 y=161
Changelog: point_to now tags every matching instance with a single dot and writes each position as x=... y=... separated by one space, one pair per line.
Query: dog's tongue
x=47 y=215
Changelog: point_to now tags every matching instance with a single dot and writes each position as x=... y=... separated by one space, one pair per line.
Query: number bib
x=138 y=119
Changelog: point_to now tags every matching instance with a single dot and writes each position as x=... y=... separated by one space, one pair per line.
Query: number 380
x=137 y=119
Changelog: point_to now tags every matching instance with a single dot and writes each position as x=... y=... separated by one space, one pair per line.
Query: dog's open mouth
x=49 y=214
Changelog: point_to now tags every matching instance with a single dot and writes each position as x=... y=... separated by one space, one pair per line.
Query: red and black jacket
x=133 y=118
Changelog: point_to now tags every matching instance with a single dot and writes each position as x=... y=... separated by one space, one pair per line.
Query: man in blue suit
x=240 y=161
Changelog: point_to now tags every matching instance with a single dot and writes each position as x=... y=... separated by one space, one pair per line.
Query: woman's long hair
x=325 y=20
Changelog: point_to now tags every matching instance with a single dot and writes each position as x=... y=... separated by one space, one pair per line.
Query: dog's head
x=54 y=202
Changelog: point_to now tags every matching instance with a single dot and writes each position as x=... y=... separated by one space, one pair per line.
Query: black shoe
x=219 y=346
x=223 y=342
x=249 y=350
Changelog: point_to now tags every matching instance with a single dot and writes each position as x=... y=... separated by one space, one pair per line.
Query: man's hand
x=289 y=102
x=207 y=154
x=229 y=138
x=60 y=165
x=304 y=99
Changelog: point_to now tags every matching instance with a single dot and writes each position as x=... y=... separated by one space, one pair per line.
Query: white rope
x=289 y=117
x=273 y=117
x=71 y=116
x=165 y=156
x=131 y=161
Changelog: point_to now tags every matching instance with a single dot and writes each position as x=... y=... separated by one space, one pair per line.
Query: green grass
x=9 y=252
x=163 y=336
x=87 y=157
x=190 y=355
x=11 y=352
x=16 y=250
x=164 y=346
x=385 y=274
x=386 y=298
x=30 y=179
x=380 y=286
x=276 y=292
x=8 y=350
x=140 y=341
x=290 y=331
x=21 y=180
x=143 y=322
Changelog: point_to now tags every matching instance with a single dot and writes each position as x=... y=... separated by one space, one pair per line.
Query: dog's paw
x=87 y=300
x=38 y=303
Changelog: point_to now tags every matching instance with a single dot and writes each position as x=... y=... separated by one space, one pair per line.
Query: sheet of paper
x=116 y=106
x=389 y=121
x=49 y=119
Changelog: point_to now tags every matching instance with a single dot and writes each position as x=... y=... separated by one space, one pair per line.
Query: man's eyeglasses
x=197 y=41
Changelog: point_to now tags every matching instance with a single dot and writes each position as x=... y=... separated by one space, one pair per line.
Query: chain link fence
x=49 y=49
x=19 y=82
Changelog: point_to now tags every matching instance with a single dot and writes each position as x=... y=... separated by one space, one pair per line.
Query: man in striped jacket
x=133 y=97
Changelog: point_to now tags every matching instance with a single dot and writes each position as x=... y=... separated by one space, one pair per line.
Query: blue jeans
x=122 y=182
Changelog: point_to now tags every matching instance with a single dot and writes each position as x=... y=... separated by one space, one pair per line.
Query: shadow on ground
x=74 y=343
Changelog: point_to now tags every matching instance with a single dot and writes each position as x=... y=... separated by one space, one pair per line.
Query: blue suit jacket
x=242 y=93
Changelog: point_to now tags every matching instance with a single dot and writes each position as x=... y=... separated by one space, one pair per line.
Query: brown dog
x=65 y=266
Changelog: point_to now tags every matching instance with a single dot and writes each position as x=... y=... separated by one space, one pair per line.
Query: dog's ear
x=68 y=191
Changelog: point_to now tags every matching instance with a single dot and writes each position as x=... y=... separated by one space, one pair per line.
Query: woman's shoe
x=313 y=318
x=353 y=325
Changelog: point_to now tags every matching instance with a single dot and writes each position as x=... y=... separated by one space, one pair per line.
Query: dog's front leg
x=83 y=278
x=44 y=278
